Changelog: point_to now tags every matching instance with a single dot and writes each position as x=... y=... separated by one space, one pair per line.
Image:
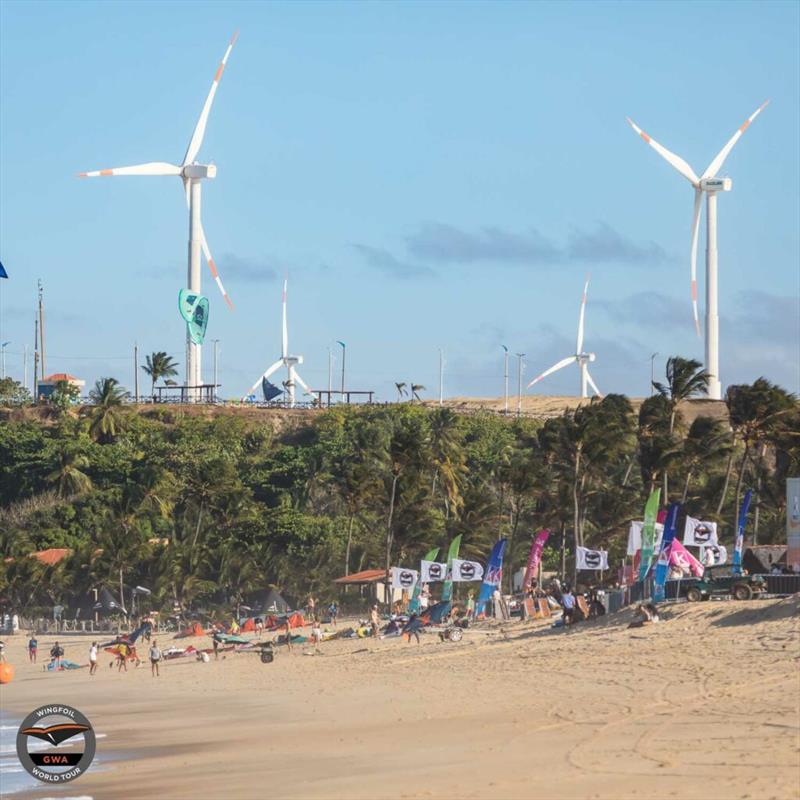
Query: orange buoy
x=6 y=673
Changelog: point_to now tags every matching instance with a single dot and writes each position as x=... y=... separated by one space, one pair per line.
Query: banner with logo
x=403 y=578
x=793 y=523
x=681 y=557
x=462 y=571
x=713 y=555
x=447 y=589
x=590 y=559
x=635 y=537
x=534 y=557
x=662 y=565
x=432 y=571
x=737 y=550
x=698 y=533
x=494 y=575
x=413 y=604
x=649 y=533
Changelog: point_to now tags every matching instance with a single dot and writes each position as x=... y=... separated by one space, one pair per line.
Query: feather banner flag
x=737 y=550
x=649 y=533
x=534 y=557
x=494 y=575
x=447 y=589
x=680 y=556
x=413 y=604
x=635 y=536
x=670 y=528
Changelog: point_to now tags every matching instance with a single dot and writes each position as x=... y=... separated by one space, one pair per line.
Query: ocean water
x=14 y=777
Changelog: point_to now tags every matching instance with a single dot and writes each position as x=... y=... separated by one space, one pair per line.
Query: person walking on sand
x=215 y=644
x=316 y=635
x=288 y=634
x=375 y=620
x=122 y=657
x=413 y=627
x=155 y=659
x=33 y=647
x=93 y=658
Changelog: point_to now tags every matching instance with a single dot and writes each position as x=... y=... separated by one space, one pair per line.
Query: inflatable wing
x=194 y=309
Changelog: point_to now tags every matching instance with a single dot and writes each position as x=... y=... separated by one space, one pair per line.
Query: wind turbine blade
x=714 y=166
x=213 y=267
x=670 y=157
x=151 y=168
x=561 y=364
x=302 y=383
x=593 y=384
x=277 y=365
x=200 y=129
x=285 y=332
x=580 y=318
x=698 y=200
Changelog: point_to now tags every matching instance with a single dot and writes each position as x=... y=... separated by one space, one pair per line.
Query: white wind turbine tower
x=580 y=358
x=290 y=362
x=191 y=173
x=709 y=183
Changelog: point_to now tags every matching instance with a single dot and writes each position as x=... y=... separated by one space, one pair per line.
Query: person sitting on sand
x=413 y=627
x=646 y=613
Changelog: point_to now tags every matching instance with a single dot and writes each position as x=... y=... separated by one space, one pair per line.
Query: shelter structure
x=371 y=584
x=47 y=386
x=760 y=558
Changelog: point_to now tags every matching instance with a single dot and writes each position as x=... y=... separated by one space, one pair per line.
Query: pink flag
x=679 y=555
x=534 y=558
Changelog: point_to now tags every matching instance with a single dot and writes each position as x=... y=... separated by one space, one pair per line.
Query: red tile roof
x=52 y=556
x=367 y=576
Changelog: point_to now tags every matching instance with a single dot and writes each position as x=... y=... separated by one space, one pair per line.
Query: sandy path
x=702 y=706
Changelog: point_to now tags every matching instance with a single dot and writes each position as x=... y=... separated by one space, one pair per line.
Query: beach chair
x=583 y=606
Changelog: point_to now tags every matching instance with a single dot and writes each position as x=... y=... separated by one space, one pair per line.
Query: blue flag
x=3 y=273
x=737 y=551
x=493 y=575
x=670 y=528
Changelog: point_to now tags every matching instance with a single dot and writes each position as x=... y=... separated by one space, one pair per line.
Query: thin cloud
x=604 y=244
x=383 y=260
x=245 y=270
x=645 y=308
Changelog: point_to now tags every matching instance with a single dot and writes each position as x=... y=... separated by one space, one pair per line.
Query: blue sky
x=430 y=174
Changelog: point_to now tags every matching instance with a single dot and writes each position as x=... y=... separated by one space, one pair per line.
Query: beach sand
x=704 y=705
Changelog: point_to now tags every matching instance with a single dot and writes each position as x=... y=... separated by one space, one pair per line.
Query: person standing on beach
x=215 y=644
x=288 y=634
x=316 y=635
x=93 y=658
x=155 y=659
x=122 y=657
x=413 y=627
x=259 y=625
x=311 y=606
x=568 y=604
x=375 y=620
x=333 y=612
x=56 y=652
x=33 y=647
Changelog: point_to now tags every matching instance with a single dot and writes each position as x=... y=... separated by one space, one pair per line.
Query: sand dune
x=704 y=705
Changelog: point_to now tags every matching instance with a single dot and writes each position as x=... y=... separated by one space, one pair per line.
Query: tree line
x=205 y=510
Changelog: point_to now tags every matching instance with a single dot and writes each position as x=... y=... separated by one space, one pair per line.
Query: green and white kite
x=194 y=309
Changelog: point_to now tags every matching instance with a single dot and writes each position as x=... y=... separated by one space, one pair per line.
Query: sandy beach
x=703 y=705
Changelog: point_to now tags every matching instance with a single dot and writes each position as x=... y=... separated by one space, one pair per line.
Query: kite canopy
x=107 y=603
x=194 y=309
x=270 y=390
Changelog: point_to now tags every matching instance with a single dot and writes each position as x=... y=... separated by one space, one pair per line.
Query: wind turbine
x=709 y=183
x=580 y=358
x=191 y=173
x=290 y=362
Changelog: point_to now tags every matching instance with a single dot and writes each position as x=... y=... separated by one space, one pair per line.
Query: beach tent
x=195 y=629
x=759 y=559
x=268 y=602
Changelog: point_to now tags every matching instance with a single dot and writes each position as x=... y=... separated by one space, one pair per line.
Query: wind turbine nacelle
x=294 y=360
x=716 y=184
x=200 y=171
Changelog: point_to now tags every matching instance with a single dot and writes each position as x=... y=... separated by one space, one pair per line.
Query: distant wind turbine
x=580 y=358
x=191 y=173
x=709 y=183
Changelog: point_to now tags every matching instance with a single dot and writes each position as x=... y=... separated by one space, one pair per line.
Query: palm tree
x=68 y=475
x=107 y=418
x=159 y=365
x=401 y=391
x=706 y=442
x=685 y=378
x=416 y=388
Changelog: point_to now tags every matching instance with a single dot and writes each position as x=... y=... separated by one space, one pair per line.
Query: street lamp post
x=344 y=356
x=216 y=363
x=520 y=356
x=652 y=372
x=3 y=348
x=441 y=376
x=505 y=378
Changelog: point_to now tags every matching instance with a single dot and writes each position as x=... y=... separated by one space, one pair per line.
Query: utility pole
x=35 y=358
x=3 y=348
x=441 y=376
x=25 y=365
x=136 y=372
x=41 y=327
x=344 y=354
x=330 y=375
x=652 y=373
x=216 y=366
x=520 y=356
x=505 y=377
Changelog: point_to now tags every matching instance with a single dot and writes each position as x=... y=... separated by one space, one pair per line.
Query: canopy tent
x=194 y=629
x=267 y=602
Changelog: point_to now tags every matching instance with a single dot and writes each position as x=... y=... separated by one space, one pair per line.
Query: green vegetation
x=204 y=507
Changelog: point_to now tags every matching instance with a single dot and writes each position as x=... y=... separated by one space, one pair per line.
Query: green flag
x=649 y=533
x=447 y=591
x=413 y=604
x=194 y=309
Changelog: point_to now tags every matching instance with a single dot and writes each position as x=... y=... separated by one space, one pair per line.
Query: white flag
x=590 y=559
x=403 y=578
x=699 y=533
x=432 y=571
x=713 y=554
x=466 y=570
x=635 y=537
